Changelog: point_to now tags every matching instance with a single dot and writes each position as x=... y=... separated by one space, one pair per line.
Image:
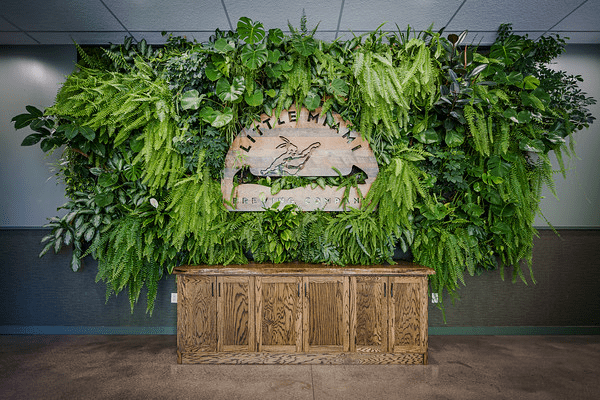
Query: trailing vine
x=461 y=136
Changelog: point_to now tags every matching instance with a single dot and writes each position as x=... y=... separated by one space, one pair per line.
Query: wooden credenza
x=302 y=314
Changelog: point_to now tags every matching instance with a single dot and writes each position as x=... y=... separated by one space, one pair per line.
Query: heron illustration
x=291 y=161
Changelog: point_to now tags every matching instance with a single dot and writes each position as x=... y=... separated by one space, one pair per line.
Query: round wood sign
x=298 y=143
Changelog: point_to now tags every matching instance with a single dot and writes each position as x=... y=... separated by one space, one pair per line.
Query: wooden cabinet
x=302 y=314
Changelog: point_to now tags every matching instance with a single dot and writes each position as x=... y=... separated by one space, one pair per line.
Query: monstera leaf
x=249 y=31
x=254 y=57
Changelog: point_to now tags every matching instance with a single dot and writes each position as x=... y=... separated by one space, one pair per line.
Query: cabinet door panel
x=235 y=313
x=279 y=314
x=409 y=314
x=196 y=314
x=369 y=314
x=326 y=314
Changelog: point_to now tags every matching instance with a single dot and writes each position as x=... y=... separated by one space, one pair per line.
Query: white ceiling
x=47 y=22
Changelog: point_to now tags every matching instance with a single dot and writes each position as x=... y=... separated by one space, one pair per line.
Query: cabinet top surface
x=402 y=268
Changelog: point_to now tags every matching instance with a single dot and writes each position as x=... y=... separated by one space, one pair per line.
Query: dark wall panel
x=44 y=292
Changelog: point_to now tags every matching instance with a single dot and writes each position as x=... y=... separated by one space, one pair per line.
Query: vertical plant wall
x=461 y=134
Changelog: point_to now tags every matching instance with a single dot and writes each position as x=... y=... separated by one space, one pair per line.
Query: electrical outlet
x=173 y=297
x=434 y=298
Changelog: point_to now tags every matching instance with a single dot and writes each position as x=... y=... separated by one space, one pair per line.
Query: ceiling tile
x=365 y=16
x=485 y=15
x=274 y=14
x=585 y=18
x=59 y=15
x=478 y=38
x=160 y=15
x=97 y=38
x=157 y=38
x=15 y=38
x=5 y=26
x=581 y=37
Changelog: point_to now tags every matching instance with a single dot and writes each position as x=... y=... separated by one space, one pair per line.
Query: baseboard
x=87 y=330
x=513 y=330
x=171 y=330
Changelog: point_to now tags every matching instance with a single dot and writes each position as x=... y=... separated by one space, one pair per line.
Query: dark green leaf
x=34 y=111
x=454 y=138
x=427 y=136
x=108 y=179
x=104 y=199
x=275 y=36
x=338 y=87
x=87 y=132
x=23 y=120
x=46 y=145
x=31 y=139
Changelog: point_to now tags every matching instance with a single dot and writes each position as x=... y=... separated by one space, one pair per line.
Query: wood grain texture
x=369 y=326
x=300 y=143
x=402 y=268
x=326 y=314
x=302 y=358
x=279 y=314
x=264 y=317
x=196 y=314
x=407 y=314
x=235 y=317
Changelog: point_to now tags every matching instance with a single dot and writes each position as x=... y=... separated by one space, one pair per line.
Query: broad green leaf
x=23 y=120
x=87 y=132
x=191 y=99
x=500 y=228
x=103 y=199
x=274 y=71
x=273 y=56
x=473 y=209
x=34 y=111
x=524 y=117
x=254 y=57
x=227 y=91
x=69 y=130
x=249 y=31
x=305 y=46
x=31 y=139
x=427 y=136
x=530 y=100
x=511 y=114
x=108 y=179
x=254 y=99
x=338 y=87
x=271 y=93
x=222 y=118
x=275 y=36
x=530 y=82
x=312 y=100
x=223 y=45
x=137 y=144
x=454 y=138
x=533 y=145
x=46 y=145
x=497 y=167
x=286 y=66
x=212 y=72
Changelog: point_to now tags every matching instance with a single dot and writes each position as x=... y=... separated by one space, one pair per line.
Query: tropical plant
x=461 y=134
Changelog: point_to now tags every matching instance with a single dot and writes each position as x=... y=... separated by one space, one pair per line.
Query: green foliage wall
x=461 y=136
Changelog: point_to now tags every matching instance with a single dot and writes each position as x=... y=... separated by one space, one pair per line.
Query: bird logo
x=291 y=161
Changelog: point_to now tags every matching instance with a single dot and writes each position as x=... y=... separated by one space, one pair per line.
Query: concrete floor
x=144 y=367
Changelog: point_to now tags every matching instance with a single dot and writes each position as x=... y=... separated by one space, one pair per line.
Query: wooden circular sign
x=298 y=143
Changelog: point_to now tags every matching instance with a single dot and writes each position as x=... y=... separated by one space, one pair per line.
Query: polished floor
x=144 y=367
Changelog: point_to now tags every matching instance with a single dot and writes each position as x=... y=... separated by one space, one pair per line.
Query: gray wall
x=29 y=75
x=44 y=292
